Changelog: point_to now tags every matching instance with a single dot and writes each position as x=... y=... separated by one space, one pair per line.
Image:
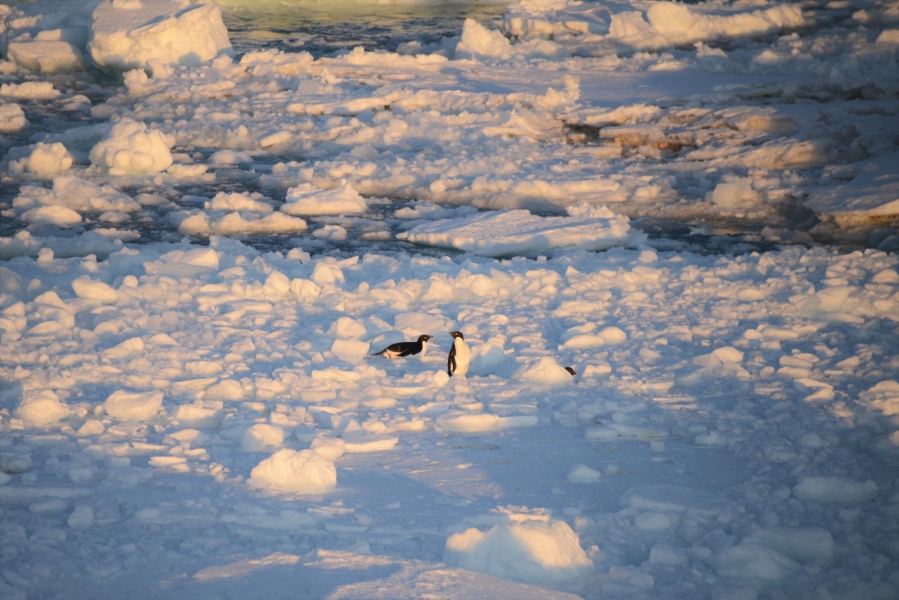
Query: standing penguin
x=459 y=355
x=401 y=349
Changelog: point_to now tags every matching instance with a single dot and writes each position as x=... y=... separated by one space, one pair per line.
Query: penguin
x=571 y=371
x=401 y=349
x=459 y=355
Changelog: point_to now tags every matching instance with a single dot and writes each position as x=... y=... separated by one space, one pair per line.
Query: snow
x=132 y=33
x=304 y=472
x=506 y=233
x=531 y=552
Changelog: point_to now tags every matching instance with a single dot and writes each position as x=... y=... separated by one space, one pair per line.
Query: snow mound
x=45 y=160
x=607 y=337
x=131 y=147
x=828 y=489
x=531 y=552
x=12 y=118
x=40 y=407
x=763 y=565
x=133 y=406
x=128 y=35
x=518 y=232
x=306 y=199
x=29 y=90
x=803 y=545
x=287 y=470
x=546 y=370
x=46 y=56
x=351 y=351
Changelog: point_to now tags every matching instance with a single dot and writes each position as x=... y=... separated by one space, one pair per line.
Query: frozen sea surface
x=201 y=256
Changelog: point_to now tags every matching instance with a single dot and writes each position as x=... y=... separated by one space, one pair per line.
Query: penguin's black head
x=424 y=338
x=457 y=334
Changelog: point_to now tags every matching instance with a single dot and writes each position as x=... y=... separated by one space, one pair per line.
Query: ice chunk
x=652 y=522
x=829 y=489
x=583 y=474
x=75 y=194
x=46 y=56
x=133 y=406
x=81 y=518
x=668 y=555
x=45 y=160
x=674 y=499
x=198 y=416
x=518 y=232
x=128 y=35
x=801 y=544
x=546 y=370
x=750 y=561
x=12 y=118
x=347 y=328
x=872 y=193
x=532 y=552
x=235 y=201
x=328 y=448
x=29 y=90
x=479 y=41
x=227 y=389
x=734 y=193
x=371 y=443
x=287 y=470
x=606 y=337
x=352 y=351
x=197 y=257
x=230 y=157
x=91 y=289
x=59 y=216
x=883 y=397
x=40 y=407
x=306 y=199
x=235 y=223
x=262 y=437
x=460 y=420
x=131 y=147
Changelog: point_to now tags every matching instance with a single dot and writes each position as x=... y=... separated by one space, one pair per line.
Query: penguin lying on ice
x=401 y=349
x=459 y=355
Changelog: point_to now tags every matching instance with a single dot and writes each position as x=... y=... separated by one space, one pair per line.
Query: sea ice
x=306 y=199
x=830 y=488
x=132 y=147
x=41 y=407
x=546 y=371
x=133 y=406
x=46 y=56
x=763 y=565
x=532 y=552
x=517 y=232
x=305 y=472
x=262 y=437
x=130 y=34
x=12 y=118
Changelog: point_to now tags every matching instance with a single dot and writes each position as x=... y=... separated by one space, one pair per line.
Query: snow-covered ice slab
x=517 y=232
x=874 y=192
x=127 y=34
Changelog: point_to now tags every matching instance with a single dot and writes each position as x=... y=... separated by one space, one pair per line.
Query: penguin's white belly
x=463 y=357
x=424 y=348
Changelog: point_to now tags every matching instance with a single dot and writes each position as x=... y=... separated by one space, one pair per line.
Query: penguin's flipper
x=451 y=360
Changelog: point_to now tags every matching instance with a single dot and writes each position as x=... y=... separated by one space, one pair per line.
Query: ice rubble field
x=184 y=419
